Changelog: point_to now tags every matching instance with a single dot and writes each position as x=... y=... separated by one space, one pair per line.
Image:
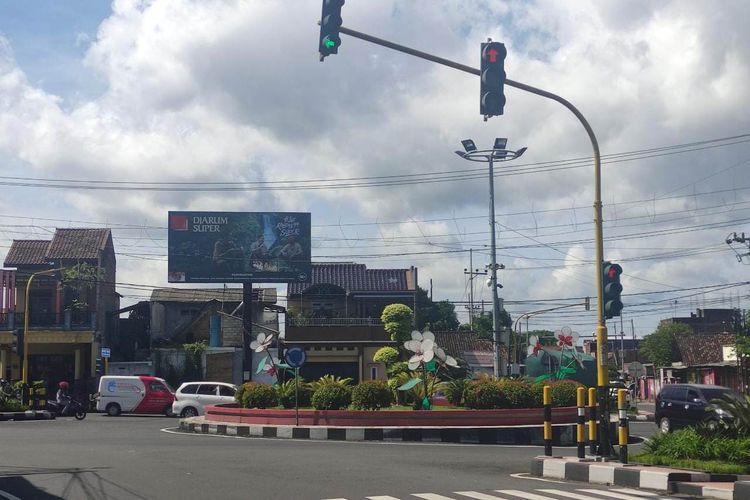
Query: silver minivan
x=192 y=397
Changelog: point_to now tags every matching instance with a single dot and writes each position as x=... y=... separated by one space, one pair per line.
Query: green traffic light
x=329 y=43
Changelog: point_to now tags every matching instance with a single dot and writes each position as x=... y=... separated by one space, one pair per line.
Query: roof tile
x=77 y=243
x=703 y=348
x=355 y=278
x=27 y=253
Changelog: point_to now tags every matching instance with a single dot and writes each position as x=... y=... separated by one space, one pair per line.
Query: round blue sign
x=295 y=357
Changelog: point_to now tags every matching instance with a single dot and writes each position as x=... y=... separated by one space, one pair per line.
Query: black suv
x=678 y=405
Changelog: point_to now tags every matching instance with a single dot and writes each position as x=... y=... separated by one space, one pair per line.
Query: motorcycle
x=75 y=409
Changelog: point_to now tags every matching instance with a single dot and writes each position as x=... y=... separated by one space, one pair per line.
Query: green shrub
x=287 y=393
x=537 y=394
x=254 y=395
x=386 y=355
x=329 y=380
x=371 y=395
x=12 y=405
x=398 y=367
x=455 y=391
x=485 y=395
x=331 y=397
x=518 y=394
x=564 y=392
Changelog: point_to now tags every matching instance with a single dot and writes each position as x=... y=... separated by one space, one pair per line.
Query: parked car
x=136 y=394
x=192 y=397
x=680 y=405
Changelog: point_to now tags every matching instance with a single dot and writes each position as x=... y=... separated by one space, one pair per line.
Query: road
x=131 y=457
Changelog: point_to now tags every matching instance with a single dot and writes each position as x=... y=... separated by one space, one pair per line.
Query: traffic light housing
x=612 y=289
x=330 y=22
x=99 y=367
x=492 y=79
x=17 y=345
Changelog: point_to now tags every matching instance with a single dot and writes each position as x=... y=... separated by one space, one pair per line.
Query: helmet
x=63 y=385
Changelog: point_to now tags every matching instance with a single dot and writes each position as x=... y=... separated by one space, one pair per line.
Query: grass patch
x=712 y=466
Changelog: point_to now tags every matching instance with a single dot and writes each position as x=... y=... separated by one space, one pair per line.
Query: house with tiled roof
x=470 y=347
x=67 y=322
x=708 y=358
x=335 y=316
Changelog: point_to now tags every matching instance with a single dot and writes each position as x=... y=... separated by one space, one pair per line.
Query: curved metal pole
x=25 y=366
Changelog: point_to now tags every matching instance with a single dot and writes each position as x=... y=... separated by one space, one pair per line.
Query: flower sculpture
x=534 y=346
x=429 y=357
x=566 y=337
x=261 y=343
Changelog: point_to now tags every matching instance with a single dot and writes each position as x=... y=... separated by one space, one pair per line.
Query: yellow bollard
x=547 y=401
x=580 y=435
x=592 y=420
x=622 y=410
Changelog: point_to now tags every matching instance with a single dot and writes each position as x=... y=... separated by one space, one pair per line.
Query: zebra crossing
x=532 y=494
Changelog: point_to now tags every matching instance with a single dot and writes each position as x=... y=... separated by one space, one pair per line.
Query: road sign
x=636 y=369
x=295 y=356
x=106 y=352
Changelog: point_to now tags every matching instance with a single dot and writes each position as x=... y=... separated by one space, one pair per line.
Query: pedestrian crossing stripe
x=537 y=494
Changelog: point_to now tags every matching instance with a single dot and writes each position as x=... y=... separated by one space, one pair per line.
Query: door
x=695 y=407
x=226 y=394
x=208 y=394
x=158 y=397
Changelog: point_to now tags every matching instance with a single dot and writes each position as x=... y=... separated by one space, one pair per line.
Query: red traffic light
x=612 y=271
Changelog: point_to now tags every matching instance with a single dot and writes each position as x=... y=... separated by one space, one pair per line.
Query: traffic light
x=612 y=289
x=17 y=345
x=99 y=367
x=330 y=22
x=491 y=96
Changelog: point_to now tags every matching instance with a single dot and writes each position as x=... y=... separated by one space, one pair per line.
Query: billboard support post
x=247 y=325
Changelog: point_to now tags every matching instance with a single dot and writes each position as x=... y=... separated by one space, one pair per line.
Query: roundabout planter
x=521 y=426
x=390 y=418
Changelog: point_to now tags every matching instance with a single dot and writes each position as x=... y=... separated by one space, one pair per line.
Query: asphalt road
x=131 y=457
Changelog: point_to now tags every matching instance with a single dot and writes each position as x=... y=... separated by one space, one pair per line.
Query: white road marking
x=526 y=495
x=384 y=497
x=7 y=495
x=612 y=494
x=628 y=491
x=431 y=496
x=526 y=475
x=478 y=495
x=570 y=494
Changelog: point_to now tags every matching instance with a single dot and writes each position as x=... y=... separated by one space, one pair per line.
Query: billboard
x=234 y=247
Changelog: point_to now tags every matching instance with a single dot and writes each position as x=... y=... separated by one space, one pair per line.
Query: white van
x=136 y=394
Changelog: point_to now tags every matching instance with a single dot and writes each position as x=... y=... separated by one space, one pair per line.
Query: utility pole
x=472 y=273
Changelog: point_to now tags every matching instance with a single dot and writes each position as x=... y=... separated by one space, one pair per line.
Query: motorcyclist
x=63 y=398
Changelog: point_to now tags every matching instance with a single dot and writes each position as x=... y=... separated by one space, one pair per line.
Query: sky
x=112 y=114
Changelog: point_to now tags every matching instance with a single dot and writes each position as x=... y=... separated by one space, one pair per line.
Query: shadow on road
x=50 y=483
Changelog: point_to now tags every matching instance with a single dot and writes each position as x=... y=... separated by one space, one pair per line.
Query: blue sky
x=202 y=91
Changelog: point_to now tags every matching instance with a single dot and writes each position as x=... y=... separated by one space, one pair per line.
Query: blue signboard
x=295 y=357
x=235 y=247
x=106 y=352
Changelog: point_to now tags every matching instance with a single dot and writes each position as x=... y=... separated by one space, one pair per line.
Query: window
x=225 y=390
x=207 y=389
x=692 y=395
x=190 y=389
x=155 y=386
x=373 y=372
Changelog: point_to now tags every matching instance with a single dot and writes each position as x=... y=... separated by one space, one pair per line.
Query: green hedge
x=564 y=392
x=689 y=443
x=254 y=395
x=371 y=395
x=488 y=393
x=331 y=397
x=485 y=395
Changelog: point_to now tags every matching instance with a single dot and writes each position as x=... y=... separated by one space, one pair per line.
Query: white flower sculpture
x=566 y=337
x=425 y=350
x=534 y=346
x=261 y=342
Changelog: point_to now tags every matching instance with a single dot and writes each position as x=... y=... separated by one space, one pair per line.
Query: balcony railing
x=66 y=320
x=335 y=322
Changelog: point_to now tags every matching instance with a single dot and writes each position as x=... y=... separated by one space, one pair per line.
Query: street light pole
x=25 y=370
x=498 y=367
x=489 y=156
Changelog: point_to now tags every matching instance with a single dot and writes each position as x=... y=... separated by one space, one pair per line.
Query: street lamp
x=498 y=153
x=25 y=372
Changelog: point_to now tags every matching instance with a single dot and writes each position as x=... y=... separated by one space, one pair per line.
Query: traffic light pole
x=602 y=378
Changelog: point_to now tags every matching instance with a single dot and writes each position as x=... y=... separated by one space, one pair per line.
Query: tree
x=78 y=281
x=439 y=316
x=483 y=324
x=661 y=346
x=397 y=320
